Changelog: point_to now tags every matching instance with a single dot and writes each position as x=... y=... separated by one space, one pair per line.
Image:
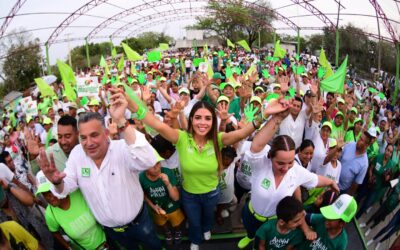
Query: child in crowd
x=329 y=225
x=333 y=168
x=226 y=183
x=162 y=195
x=283 y=232
x=324 y=199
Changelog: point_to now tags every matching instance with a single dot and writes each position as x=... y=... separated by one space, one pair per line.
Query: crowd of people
x=176 y=152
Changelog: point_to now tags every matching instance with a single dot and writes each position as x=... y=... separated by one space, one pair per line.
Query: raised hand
x=118 y=105
x=176 y=109
x=146 y=94
x=31 y=142
x=222 y=111
x=284 y=82
x=276 y=106
x=164 y=178
x=49 y=168
x=249 y=112
x=253 y=76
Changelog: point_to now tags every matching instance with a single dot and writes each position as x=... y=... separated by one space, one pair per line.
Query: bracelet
x=141 y=112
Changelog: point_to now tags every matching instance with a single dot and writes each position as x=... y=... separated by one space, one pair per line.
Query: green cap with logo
x=344 y=208
x=44 y=185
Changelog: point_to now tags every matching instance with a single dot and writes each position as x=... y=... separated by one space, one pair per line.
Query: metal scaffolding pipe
x=87 y=53
x=48 y=59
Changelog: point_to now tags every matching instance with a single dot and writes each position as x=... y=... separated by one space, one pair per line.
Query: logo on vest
x=265 y=183
x=85 y=172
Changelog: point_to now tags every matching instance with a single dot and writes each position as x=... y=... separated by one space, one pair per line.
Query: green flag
x=68 y=78
x=228 y=72
x=325 y=64
x=265 y=73
x=244 y=44
x=142 y=78
x=335 y=83
x=230 y=44
x=113 y=52
x=44 y=88
x=210 y=71
x=221 y=53
x=103 y=62
x=279 y=51
x=205 y=49
x=66 y=72
x=121 y=64
x=197 y=61
x=131 y=54
x=163 y=46
x=154 y=56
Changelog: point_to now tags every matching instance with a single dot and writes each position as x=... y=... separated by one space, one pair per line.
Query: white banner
x=87 y=86
x=29 y=106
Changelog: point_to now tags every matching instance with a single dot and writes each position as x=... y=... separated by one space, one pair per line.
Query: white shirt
x=265 y=196
x=294 y=128
x=113 y=191
x=5 y=173
x=320 y=149
x=226 y=184
x=329 y=171
x=243 y=173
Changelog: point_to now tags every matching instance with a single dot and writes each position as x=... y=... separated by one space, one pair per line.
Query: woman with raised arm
x=275 y=174
x=199 y=150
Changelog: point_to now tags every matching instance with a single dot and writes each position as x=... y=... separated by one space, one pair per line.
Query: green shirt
x=379 y=170
x=77 y=222
x=372 y=151
x=234 y=107
x=275 y=240
x=336 y=130
x=350 y=137
x=324 y=241
x=199 y=169
x=393 y=199
x=59 y=156
x=157 y=192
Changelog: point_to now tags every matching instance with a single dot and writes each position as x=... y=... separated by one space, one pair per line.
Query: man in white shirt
x=107 y=174
x=293 y=125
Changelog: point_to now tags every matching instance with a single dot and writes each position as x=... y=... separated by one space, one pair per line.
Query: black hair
x=53 y=141
x=330 y=94
x=3 y=156
x=67 y=120
x=229 y=152
x=229 y=127
x=281 y=143
x=298 y=98
x=161 y=145
x=305 y=144
x=288 y=208
x=328 y=198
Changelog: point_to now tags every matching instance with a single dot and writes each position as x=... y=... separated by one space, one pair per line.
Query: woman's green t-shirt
x=199 y=169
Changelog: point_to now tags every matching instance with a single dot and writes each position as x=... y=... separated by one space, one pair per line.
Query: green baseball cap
x=344 y=208
x=223 y=98
x=44 y=185
x=339 y=113
x=354 y=109
x=218 y=75
x=224 y=84
x=358 y=120
x=327 y=124
x=256 y=99
x=332 y=142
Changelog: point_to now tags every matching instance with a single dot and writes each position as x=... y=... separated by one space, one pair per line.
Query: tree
x=235 y=20
x=23 y=62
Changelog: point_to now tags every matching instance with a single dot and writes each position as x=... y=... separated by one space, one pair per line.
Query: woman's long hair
x=212 y=134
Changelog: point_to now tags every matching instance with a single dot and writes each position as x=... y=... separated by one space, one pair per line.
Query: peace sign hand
x=49 y=168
